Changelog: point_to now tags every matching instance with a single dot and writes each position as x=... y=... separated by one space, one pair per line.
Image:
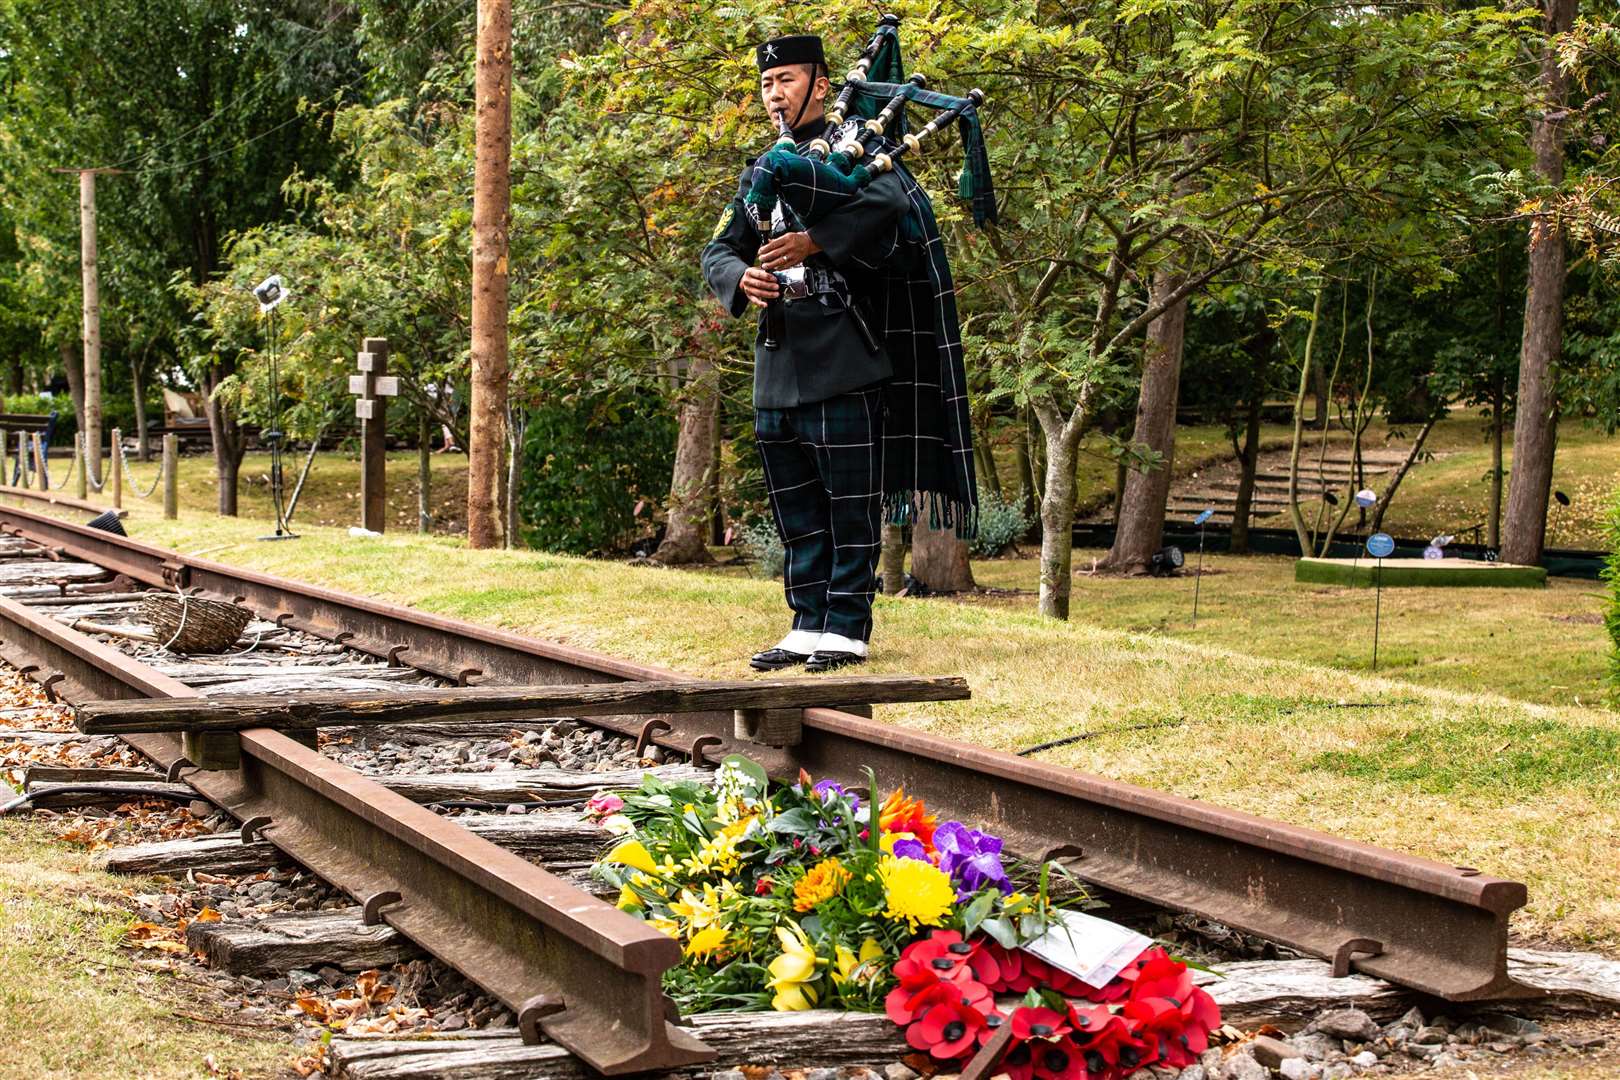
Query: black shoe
x=776 y=660
x=830 y=661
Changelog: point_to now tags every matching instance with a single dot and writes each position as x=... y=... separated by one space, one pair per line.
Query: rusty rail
x=1413 y=921
x=579 y=970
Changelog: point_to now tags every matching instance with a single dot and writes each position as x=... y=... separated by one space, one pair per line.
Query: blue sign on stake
x=1380 y=545
x=1203 y=516
x=1366 y=497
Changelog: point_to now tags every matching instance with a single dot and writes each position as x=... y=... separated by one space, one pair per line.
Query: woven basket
x=194 y=624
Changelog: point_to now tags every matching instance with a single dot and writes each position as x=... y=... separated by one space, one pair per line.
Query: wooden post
x=171 y=469
x=492 y=205
x=374 y=386
x=91 y=281
x=42 y=481
x=115 y=465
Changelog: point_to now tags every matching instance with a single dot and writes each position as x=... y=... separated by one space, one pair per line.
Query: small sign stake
x=1198 y=578
x=1379 y=546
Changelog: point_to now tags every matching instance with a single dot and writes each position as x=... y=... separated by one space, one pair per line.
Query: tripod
x=275 y=435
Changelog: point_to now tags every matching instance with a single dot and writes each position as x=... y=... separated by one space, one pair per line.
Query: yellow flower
x=848 y=962
x=917 y=892
x=793 y=971
x=628 y=898
x=697 y=911
x=707 y=942
x=824 y=881
x=667 y=927
x=737 y=828
x=634 y=854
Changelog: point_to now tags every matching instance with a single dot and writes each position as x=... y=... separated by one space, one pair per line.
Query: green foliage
x=586 y=466
x=1001 y=522
x=759 y=540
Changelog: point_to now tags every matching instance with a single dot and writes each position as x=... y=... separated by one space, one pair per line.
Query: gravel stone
x=730 y=1074
x=1244 y=1067
x=1315 y=1046
x=1431 y=1036
x=1345 y=1024
x=821 y=1074
x=1298 y=1068
x=1271 y=1052
x=1365 y=1060
x=1338 y=1071
x=897 y=1071
x=1511 y=1025
x=1193 y=1072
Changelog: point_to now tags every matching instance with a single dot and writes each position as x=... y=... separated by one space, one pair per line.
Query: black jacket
x=823 y=354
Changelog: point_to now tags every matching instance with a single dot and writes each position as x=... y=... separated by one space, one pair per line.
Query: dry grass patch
x=75 y=1004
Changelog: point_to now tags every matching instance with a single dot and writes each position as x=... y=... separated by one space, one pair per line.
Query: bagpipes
x=813 y=184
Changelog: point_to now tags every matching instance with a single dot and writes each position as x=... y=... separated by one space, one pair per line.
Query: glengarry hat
x=792 y=49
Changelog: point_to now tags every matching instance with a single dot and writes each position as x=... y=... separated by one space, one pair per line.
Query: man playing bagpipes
x=860 y=399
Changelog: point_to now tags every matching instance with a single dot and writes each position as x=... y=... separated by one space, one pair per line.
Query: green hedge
x=586 y=465
x=1612 y=576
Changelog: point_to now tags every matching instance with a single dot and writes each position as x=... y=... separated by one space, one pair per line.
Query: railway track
x=572 y=968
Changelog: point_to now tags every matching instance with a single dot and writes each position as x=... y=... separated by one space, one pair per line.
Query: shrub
x=1000 y=523
x=759 y=540
x=1611 y=574
x=586 y=465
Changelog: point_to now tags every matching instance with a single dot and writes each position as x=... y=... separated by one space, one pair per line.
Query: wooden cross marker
x=374 y=386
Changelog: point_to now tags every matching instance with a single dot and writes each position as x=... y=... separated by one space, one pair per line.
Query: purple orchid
x=910 y=848
x=971 y=858
x=827 y=790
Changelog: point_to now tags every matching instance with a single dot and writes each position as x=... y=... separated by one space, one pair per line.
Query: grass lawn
x=76 y=1005
x=1484 y=744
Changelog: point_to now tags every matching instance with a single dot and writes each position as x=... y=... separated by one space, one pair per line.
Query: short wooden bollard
x=171 y=469
x=769 y=727
x=43 y=481
x=116 y=464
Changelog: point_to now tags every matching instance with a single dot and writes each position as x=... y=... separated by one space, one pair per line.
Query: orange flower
x=824 y=881
x=902 y=815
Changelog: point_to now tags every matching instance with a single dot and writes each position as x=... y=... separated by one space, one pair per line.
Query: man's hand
x=789 y=249
x=758 y=286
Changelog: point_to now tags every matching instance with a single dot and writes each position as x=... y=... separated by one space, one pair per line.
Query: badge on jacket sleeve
x=725 y=222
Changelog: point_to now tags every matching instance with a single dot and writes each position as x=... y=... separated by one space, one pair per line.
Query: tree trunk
x=1400 y=474
x=14 y=376
x=1307 y=542
x=892 y=565
x=229 y=444
x=492 y=206
x=75 y=379
x=984 y=457
x=1535 y=427
x=1026 y=472
x=424 y=473
x=92 y=324
x=1242 y=506
x=1323 y=392
x=1141 y=512
x=1057 y=517
x=717 y=505
x=938 y=559
x=685 y=538
x=136 y=363
x=1494 y=523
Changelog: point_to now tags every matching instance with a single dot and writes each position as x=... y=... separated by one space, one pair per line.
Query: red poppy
x=996 y=967
x=1039 y=1023
x=1181 y=1027
x=944 y=954
x=1059 y=1060
x=993 y=1019
x=904 y=1003
x=946 y=1030
x=1104 y=1039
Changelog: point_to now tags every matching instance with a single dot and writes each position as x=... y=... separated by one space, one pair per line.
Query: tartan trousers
x=824 y=474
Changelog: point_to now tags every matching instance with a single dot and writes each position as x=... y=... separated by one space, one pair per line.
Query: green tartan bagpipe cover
x=928 y=462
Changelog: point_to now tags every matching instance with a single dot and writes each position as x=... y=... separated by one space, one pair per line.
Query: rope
x=129 y=476
x=258 y=635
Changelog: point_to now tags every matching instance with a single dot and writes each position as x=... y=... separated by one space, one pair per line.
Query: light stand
x=270 y=294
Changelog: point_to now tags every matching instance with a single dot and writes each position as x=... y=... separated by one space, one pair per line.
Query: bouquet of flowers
x=810 y=894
